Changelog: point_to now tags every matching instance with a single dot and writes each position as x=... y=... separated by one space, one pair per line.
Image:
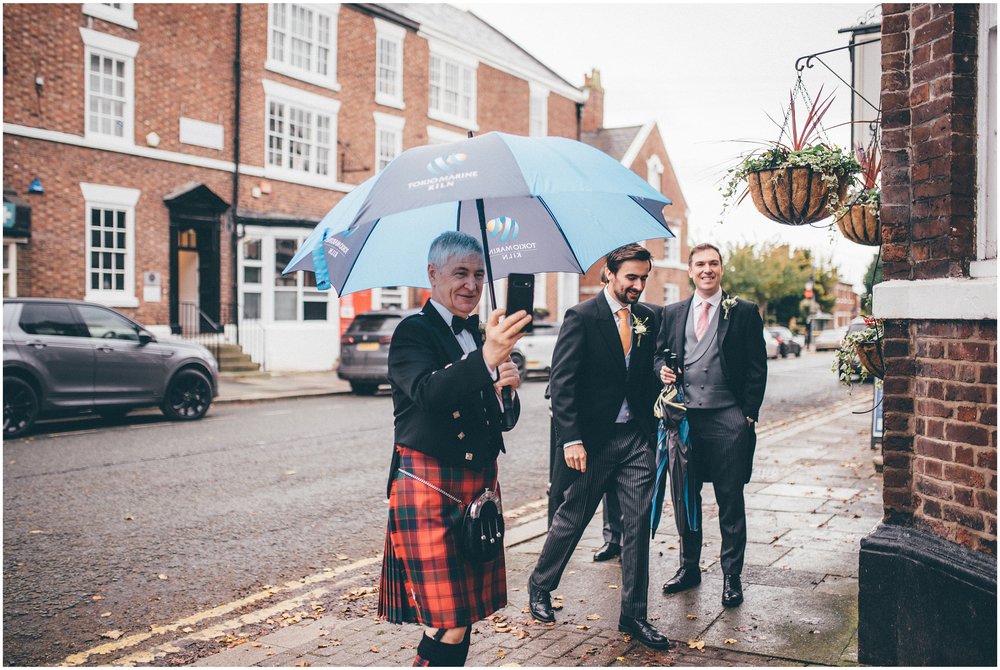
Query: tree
x=773 y=276
x=873 y=275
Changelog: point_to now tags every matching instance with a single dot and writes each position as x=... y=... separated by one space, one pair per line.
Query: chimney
x=593 y=109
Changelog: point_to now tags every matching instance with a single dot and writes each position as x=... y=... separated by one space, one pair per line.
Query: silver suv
x=69 y=356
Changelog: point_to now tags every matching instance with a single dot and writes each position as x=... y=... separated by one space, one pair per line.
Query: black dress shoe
x=684 y=579
x=540 y=604
x=643 y=631
x=732 y=591
x=608 y=551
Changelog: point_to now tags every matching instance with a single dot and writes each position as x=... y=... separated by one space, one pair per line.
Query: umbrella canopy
x=674 y=460
x=549 y=204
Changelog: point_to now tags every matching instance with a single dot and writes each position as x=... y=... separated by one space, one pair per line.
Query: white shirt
x=714 y=301
x=465 y=340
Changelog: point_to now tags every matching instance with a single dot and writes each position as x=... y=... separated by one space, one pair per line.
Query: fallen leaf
x=592 y=650
x=374 y=650
x=238 y=642
x=503 y=629
x=521 y=634
x=98 y=598
x=36 y=532
x=697 y=644
x=501 y=653
x=342 y=557
x=620 y=659
x=259 y=645
x=593 y=617
x=815 y=632
x=612 y=586
x=105 y=614
x=303 y=664
x=584 y=627
x=130 y=518
x=729 y=640
x=692 y=617
x=163 y=576
x=112 y=634
x=557 y=606
x=187 y=629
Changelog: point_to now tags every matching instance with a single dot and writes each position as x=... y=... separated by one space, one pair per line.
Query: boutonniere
x=640 y=327
x=727 y=305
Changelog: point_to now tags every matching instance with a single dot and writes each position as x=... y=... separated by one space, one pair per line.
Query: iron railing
x=250 y=335
x=198 y=327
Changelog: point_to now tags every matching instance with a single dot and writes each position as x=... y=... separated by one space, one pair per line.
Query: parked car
x=770 y=344
x=364 y=349
x=829 y=340
x=786 y=341
x=71 y=356
x=533 y=353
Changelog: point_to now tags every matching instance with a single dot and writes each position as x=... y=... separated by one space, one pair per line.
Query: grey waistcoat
x=704 y=384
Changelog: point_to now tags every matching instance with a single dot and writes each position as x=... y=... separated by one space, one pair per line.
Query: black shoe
x=608 y=551
x=540 y=604
x=642 y=631
x=732 y=591
x=684 y=579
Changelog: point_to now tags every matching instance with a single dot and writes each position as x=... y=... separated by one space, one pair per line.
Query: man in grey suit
x=603 y=388
x=720 y=350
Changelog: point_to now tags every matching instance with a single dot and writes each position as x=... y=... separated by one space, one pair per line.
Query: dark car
x=364 y=349
x=786 y=341
x=71 y=356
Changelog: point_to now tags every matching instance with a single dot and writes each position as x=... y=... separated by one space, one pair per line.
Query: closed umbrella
x=674 y=460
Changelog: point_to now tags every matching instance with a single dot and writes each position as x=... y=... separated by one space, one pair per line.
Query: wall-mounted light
x=255 y=191
x=153 y=140
x=36 y=186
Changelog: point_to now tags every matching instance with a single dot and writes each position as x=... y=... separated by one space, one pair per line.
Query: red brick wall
x=940 y=443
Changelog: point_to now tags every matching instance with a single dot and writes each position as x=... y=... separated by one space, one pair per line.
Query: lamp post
x=809 y=295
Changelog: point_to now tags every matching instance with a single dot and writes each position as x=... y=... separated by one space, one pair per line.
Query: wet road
x=119 y=527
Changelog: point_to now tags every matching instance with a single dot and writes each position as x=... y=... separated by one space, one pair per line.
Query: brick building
x=927 y=577
x=132 y=124
x=846 y=306
x=641 y=149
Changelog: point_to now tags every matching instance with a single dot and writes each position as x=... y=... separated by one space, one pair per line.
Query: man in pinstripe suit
x=719 y=343
x=603 y=389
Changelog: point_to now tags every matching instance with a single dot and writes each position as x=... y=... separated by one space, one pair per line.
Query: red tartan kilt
x=425 y=577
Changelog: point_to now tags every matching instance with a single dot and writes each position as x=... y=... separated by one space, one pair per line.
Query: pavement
x=813 y=496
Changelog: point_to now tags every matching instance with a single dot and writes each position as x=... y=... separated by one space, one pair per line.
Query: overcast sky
x=708 y=74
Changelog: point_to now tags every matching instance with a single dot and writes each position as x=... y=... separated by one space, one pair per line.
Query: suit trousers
x=627 y=465
x=719 y=442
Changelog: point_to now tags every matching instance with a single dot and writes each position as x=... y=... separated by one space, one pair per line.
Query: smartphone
x=521 y=295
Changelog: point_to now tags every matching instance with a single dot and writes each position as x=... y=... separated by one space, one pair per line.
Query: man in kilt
x=446 y=384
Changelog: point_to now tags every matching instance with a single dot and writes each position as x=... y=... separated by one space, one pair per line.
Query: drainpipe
x=237 y=76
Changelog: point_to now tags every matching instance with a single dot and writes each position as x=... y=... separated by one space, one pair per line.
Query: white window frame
x=10 y=272
x=310 y=102
x=394 y=34
x=103 y=196
x=542 y=290
x=538 y=110
x=654 y=172
x=464 y=62
x=244 y=286
x=329 y=80
x=986 y=148
x=380 y=295
x=108 y=46
x=121 y=16
x=671 y=293
x=386 y=123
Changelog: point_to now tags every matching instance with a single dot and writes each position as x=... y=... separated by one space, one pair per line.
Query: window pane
x=285 y=306
x=251 y=249
x=283 y=252
x=251 y=305
x=252 y=275
x=314 y=311
x=107 y=324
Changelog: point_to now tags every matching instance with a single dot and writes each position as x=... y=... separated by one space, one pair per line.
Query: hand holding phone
x=521 y=295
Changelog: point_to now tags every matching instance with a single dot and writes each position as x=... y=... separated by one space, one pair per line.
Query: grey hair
x=450 y=244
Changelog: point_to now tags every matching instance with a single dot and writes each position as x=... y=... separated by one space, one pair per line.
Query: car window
x=103 y=323
x=49 y=319
x=373 y=324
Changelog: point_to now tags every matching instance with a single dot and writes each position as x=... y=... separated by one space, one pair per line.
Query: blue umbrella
x=540 y=204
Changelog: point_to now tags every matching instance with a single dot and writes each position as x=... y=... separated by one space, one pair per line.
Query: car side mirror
x=145 y=337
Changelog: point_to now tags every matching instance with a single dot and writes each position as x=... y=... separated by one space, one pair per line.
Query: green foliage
x=845 y=360
x=765 y=274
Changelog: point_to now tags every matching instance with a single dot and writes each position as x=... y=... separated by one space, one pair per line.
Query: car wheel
x=20 y=407
x=518 y=360
x=189 y=394
x=359 y=388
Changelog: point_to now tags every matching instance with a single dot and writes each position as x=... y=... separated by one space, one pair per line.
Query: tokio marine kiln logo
x=505 y=230
x=446 y=170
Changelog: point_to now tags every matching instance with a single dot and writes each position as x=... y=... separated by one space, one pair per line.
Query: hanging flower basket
x=796 y=195
x=870 y=355
x=860 y=224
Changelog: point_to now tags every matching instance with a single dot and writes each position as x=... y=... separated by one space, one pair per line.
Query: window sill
x=948 y=298
x=112 y=300
x=468 y=124
x=395 y=103
x=299 y=177
x=987 y=268
x=110 y=142
x=302 y=75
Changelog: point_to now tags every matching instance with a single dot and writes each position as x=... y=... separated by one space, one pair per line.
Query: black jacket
x=589 y=379
x=443 y=405
x=741 y=350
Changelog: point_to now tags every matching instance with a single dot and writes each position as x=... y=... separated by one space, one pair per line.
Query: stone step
x=247 y=366
x=244 y=374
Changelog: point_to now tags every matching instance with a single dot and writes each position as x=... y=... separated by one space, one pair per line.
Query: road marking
x=291 y=586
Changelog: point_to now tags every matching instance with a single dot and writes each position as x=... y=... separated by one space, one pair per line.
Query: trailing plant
x=866 y=190
x=803 y=149
x=845 y=360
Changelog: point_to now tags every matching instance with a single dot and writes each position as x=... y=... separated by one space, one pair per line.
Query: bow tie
x=458 y=324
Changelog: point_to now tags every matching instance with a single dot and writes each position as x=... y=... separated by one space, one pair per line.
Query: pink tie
x=702 y=325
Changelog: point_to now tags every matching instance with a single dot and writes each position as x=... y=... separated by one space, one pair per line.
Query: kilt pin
x=447 y=433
